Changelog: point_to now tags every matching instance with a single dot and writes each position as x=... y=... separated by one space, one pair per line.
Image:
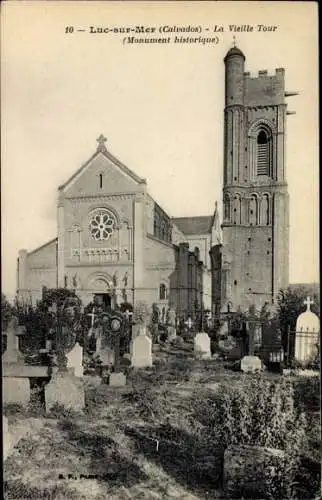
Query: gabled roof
x=194 y=225
x=101 y=149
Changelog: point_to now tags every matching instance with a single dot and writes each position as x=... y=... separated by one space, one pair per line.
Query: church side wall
x=159 y=267
x=202 y=242
x=41 y=270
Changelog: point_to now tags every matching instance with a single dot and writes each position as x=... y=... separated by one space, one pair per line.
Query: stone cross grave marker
x=92 y=316
x=307 y=334
x=189 y=323
x=142 y=351
x=16 y=388
x=202 y=345
x=12 y=355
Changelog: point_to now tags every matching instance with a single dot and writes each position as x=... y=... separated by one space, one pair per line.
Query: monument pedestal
x=67 y=390
x=16 y=390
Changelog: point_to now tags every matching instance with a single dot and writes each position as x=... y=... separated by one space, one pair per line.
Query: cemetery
x=111 y=402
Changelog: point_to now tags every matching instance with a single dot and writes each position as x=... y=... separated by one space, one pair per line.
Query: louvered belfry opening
x=263 y=153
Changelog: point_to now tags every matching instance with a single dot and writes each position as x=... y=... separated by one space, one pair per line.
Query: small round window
x=102 y=224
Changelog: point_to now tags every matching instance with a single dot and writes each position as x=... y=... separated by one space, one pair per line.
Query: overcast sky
x=160 y=107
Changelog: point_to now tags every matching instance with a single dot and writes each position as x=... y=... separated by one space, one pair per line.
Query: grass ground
x=138 y=442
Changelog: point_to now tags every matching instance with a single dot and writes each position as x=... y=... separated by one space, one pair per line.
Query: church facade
x=115 y=242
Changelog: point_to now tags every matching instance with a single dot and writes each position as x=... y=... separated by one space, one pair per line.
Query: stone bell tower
x=255 y=197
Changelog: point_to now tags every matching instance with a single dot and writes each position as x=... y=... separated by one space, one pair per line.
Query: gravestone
x=137 y=330
x=307 y=334
x=75 y=360
x=65 y=389
x=202 y=345
x=117 y=380
x=16 y=389
x=250 y=364
x=142 y=351
x=107 y=356
x=12 y=355
x=271 y=349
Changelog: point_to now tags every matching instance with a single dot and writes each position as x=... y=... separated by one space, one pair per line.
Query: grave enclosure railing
x=302 y=345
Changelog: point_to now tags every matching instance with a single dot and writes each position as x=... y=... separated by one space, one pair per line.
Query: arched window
x=162 y=292
x=227 y=214
x=263 y=152
x=265 y=218
x=253 y=210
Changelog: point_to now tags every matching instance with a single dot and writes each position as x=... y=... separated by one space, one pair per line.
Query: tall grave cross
x=12 y=354
x=92 y=316
x=308 y=302
x=189 y=323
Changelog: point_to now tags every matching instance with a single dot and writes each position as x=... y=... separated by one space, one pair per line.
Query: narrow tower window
x=253 y=210
x=263 y=153
x=265 y=219
x=227 y=208
x=101 y=181
x=237 y=210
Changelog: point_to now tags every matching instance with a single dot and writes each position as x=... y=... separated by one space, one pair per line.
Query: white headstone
x=307 y=334
x=250 y=364
x=142 y=351
x=75 y=360
x=202 y=345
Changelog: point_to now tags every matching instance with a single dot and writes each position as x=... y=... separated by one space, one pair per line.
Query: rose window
x=101 y=225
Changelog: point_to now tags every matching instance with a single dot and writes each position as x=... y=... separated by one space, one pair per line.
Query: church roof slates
x=194 y=225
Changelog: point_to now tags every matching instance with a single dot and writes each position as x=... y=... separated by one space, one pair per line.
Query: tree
x=6 y=312
x=290 y=304
x=41 y=322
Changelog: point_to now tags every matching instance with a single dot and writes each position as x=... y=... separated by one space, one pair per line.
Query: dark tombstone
x=117 y=325
x=272 y=351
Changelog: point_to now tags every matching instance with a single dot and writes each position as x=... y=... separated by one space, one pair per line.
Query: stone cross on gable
x=12 y=354
x=308 y=302
x=101 y=143
x=234 y=41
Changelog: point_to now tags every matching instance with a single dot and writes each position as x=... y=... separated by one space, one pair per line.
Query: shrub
x=307 y=393
x=149 y=405
x=257 y=412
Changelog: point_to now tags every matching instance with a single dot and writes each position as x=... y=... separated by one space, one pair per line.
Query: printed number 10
x=69 y=29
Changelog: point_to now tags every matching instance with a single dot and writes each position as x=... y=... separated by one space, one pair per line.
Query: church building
x=115 y=242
